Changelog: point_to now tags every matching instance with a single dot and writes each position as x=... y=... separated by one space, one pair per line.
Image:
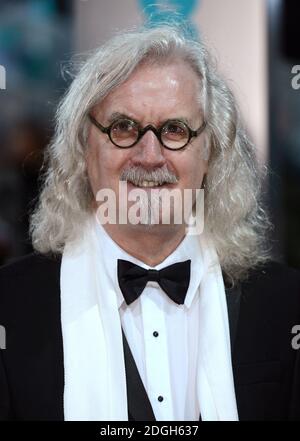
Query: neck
x=151 y=245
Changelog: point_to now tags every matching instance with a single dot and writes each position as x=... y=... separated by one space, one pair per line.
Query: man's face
x=151 y=95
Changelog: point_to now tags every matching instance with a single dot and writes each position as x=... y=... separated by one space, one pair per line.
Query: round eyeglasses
x=173 y=134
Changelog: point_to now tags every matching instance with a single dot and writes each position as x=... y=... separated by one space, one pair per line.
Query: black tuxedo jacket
x=262 y=313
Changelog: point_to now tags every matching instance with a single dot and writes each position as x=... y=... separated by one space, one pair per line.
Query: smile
x=147 y=184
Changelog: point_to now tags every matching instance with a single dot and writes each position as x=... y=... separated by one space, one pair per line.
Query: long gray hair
x=233 y=212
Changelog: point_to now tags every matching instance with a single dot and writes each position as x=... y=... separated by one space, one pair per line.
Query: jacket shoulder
x=32 y=268
x=28 y=264
x=271 y=294
x=273 y=274
x=29 y=279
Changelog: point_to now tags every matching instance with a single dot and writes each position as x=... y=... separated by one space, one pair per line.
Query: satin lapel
x=139 y=406
x=233 y=298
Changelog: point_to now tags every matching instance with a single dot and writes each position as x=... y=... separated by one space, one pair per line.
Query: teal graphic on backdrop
x=166 y=11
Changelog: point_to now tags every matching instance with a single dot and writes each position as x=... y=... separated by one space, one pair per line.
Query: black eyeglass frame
x=142 y=131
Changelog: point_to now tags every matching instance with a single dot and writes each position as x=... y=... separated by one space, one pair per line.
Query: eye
x=123 y=126
x=175 y=130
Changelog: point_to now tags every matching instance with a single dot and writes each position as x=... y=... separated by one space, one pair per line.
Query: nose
x=148 y=152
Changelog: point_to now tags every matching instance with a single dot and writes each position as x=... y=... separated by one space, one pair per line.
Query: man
x=137 y=319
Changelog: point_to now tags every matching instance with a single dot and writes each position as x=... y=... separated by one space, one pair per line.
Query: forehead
x=156 y=89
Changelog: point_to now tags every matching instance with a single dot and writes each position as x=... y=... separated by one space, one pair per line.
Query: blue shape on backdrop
x=171 y=11
x=184 y=7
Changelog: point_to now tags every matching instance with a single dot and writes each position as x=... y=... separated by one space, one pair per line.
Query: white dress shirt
x=162 y=335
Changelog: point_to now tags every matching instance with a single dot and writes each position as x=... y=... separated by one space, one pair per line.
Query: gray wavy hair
x=234 y=215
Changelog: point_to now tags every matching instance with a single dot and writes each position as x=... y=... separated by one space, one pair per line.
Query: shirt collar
x=189 y=248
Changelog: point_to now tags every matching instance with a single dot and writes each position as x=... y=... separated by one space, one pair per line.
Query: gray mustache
x=159 y=176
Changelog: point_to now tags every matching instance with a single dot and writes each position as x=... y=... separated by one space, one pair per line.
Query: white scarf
x=95 y=380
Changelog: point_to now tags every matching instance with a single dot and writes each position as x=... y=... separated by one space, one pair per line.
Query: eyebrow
x=117 y=115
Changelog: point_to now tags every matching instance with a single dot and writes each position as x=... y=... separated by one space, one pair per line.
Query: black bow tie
x=173 y=279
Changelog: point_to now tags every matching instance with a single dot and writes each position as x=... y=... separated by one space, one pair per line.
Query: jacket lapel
x=233 y=298
x=139 y=406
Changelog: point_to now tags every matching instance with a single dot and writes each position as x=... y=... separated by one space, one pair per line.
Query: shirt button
x=155 y=333
x=160 y=398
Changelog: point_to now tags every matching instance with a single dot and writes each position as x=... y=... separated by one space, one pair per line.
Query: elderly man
x=136 y=319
